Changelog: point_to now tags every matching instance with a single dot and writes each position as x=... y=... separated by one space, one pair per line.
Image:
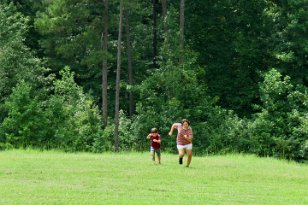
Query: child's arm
x=175 y=125
x=189 y=137
x=158 y=140
x=149 y=136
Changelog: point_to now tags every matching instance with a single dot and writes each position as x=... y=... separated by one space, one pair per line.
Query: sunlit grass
x=50 y=177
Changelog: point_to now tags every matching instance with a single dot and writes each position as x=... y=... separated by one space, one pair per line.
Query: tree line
x=84 y=75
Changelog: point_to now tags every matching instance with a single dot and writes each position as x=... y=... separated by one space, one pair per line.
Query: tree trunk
x=117 y=95
x=182 y=20
x=104 y=65
x=129 y=66
x=164 y=7
x=164 y=13
x=155 y=33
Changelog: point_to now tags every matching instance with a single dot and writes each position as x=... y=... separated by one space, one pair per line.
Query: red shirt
x=155 y=145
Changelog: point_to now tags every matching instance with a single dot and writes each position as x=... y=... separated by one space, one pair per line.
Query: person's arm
x=149 y=136
x=158 y=140
x=175 y=125
x=189 y=137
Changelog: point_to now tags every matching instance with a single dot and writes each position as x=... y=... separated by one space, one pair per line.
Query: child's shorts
x=153 y=150
x=187 y=146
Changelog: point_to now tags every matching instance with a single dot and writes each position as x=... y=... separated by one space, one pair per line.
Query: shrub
x=75 y=118
x=25 y=123
x=279 y=128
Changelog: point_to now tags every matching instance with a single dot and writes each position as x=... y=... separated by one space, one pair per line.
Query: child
x=184 y=140
x=155 y=144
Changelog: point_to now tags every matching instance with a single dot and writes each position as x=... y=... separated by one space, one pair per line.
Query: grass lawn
x=50 y=177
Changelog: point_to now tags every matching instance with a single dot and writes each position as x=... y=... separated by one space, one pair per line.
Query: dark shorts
x=153 y=150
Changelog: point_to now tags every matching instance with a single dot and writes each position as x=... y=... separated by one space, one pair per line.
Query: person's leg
x=181 y=155
x=158 y=155
x=152 y=154
x=189 y=155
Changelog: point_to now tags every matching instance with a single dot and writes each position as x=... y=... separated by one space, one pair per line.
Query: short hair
x=185 y=120
x=154 y=130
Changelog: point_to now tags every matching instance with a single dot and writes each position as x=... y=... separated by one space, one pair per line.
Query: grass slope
x=33 y=177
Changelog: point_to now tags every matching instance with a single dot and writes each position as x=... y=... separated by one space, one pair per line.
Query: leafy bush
x=127 y=140
x=105 y=142
x=68 y=119
x=222 y=132
x=26 y=120
x=75 y=118
x=279 y=128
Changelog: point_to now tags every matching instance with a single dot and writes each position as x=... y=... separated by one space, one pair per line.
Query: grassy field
x=50 y=177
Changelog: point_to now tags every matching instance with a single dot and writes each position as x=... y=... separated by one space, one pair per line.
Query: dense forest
x=97 y=75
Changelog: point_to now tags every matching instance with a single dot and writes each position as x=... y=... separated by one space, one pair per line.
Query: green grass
x=50 y=177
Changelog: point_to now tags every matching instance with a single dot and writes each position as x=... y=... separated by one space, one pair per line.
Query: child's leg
x=153 y=156
x=181 y=155
x=152 y=153
x=189 y=155
x=158 y=155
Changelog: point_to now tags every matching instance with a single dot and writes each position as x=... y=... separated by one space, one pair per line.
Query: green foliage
x=233 y=40
x=127 y=140
x=291 y=39
x=75 y=119
x=170 y=93
x=5 y=146
x=71 y=36
x=222 y=132
x=17 y=62
x=68 y=119
x=177 y=91
x=105 y=141
x=26 y=121
x=278 y=129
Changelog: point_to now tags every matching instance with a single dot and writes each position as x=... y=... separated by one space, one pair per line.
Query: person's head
x=185 y=123
x=154 y=131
